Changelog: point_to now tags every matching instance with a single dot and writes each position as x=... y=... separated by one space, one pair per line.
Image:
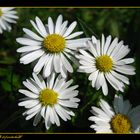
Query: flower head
x=105 y=61
x=52 y=47
x=7 y=16
x=122 y=118
x=49 y=100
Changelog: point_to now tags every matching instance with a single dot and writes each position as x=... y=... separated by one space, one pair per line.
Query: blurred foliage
x=123 y=23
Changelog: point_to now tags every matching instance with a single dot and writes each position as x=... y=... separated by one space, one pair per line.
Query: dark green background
x=123 y=23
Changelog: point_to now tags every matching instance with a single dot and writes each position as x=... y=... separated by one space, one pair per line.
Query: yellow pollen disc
x=54 y=43
x=0 y=12
x=121 y=124
x=104 y=63
x=48 y=97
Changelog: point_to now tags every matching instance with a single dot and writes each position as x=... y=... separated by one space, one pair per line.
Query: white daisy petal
x=26 y=41
x=135 y=111
x=56 y=63
x=81 y=40
x=96 y=118
x=112 y=46
x=111 y=82
x=6 y=9
x=31 y=56
x=93 y=77
x=99 y=81
x=50 y=82
x=47 y=118
x=99 y=112
x=11 y=16
x=48 y=67
x=107 y=43
x=28 y=102
x=31 y=115
x=74 y=35
x=2 y=24
x=28 y=93
x=43 y=111
x=40 y=82
x=69 y=95
x=42 y=60
x=66 y=63
x=104 y=86
x=56 y=119
x=103 y=43
x=119 y=102
x=92 y=49
x=129 y=70
x=98 y=47
x=41 y=26
x=30 y=87
x=34 y=109
x=50 y=25
x=67 y=84
x=68 y=111
x=70 y=29
x=115 y=104
x=94 y=40
x=36 y=27
x=68 y=104
x=51 y=115
x=37 y=119
x=59 y=84
x=59 y=112
x=127 y=107
x=116 y=49
x=32 y=34
x=125 y=61
x=11 y=12
x=85 y=53
x=58 y=24
x=124 y=50
x=28 y=49
x=68 y=90
x=120 y=77
x=8 y=19
x=63 y=28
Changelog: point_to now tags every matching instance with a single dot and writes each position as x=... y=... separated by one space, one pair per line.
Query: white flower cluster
x=7 y=16
x=53 y=48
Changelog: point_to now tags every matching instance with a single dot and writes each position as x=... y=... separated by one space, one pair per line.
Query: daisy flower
x=7 y=16
x=105 y=61
x=49 y=100
x=122 y=118
x=52 y=47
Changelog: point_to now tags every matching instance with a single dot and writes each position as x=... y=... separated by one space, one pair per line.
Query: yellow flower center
x=54 y=43
x=0 y=12
x=121 y=124
x=48 y=97
x=104 y=63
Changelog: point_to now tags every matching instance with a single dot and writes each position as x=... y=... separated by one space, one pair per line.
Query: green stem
x=10 y=119
x=94 y=97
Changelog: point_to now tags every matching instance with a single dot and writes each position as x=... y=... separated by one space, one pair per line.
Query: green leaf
x=87 y=30
x=114 y=28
